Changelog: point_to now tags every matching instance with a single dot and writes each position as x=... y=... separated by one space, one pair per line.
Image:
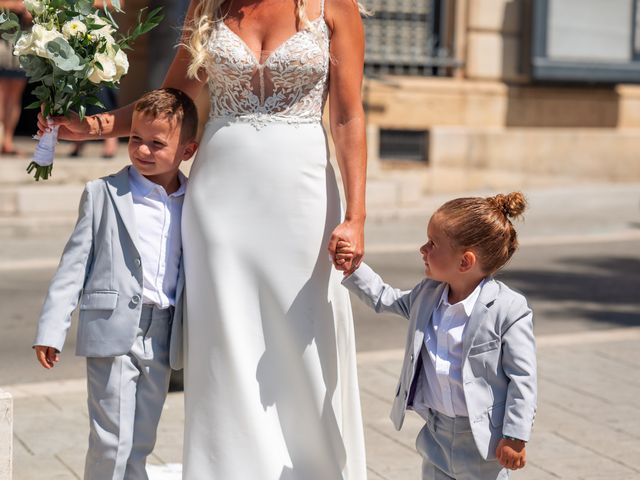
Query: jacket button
x=138 y=262
x=412 y=357
x=135 y=299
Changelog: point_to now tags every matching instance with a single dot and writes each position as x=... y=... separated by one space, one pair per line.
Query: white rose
x=41 y=36
x=108 y=71
x=122 y=64
x=34 y=6
x=24 y=45
x=106 y=30
x=73 y=28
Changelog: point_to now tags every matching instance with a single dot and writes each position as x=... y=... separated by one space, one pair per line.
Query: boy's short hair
x=173 y=104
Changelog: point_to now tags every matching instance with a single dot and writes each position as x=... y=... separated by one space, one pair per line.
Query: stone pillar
x=494 y=47
x=6 y=435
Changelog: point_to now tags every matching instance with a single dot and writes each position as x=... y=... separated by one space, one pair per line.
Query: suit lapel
x=423 y=318
x=120 y=191
x=479 y=314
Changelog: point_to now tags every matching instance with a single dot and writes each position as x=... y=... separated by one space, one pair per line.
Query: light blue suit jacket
x=498 y=351
x=101 y=269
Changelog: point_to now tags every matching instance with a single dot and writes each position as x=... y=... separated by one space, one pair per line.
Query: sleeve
x=68 y=281
x=519 y=364
x=372 y=290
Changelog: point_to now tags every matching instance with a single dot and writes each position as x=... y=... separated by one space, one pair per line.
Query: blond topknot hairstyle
x=208 y=12
x=484 y=225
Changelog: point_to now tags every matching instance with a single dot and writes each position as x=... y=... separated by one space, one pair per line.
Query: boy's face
x=441 y=258
x=155 y=148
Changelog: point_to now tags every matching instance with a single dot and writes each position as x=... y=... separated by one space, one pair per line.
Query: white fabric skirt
x=271 y=390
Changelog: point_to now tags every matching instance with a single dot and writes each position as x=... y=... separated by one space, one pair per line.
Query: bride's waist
x=259 y=119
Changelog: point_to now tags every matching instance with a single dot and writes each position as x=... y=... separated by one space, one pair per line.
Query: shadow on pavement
x=599 y=289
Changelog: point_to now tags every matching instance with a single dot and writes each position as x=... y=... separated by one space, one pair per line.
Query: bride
x=271 y=389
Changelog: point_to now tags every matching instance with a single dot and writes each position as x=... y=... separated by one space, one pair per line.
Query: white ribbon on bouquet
x=46 y=148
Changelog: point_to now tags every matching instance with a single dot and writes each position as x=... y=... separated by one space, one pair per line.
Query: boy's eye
x=159 y=144
x=135 y=139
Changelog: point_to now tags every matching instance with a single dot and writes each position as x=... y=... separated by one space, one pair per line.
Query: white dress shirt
x=440 y=381
x=158 y=217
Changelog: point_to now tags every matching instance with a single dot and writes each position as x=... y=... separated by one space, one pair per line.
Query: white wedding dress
x=271 y=390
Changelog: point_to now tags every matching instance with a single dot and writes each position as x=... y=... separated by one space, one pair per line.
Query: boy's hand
x=344 y=252
x=47 y=356
x=511 y=453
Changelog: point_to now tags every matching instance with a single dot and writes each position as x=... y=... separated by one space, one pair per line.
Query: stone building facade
x=469 y=111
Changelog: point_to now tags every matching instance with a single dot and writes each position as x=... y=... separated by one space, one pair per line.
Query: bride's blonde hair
x=207 y=13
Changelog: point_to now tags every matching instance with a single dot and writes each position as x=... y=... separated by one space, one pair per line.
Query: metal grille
x=407 y=145
x=403 y=37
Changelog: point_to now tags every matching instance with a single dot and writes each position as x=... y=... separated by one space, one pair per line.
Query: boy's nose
x=143 y=149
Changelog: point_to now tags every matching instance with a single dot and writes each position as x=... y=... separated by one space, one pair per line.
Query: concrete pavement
x=588 y=421
x=587 y=427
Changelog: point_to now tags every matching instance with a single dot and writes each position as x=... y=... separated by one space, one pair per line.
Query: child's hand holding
x=511 y=453
x=344 y=253
x=47 y=356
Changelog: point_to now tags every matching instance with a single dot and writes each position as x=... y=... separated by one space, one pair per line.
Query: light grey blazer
x=102 y=269
x=499 y=354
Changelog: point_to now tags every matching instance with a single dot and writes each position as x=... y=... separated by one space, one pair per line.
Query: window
x=586 y=40
x=406 y=37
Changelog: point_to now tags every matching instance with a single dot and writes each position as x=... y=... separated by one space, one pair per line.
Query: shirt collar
x=468 y=303
x=144 y=186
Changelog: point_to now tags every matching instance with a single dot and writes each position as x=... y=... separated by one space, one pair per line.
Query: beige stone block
x=6 y=435
x=492 y=55
x=542 y=106
x=629 y=103
x=40 y=199
x=381 y=194
x=8 y=203
x=596 y=154
x=496 y=15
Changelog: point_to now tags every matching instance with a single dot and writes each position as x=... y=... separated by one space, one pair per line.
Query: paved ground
x=587 y=427
x=579 y=266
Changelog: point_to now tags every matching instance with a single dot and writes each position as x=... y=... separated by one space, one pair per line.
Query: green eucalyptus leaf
x=84 y=7
x=62 y=55
x=110 y=17
x=10 y=26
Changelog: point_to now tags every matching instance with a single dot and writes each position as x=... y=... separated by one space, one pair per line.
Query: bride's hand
x=71 y=128
x=351 y=232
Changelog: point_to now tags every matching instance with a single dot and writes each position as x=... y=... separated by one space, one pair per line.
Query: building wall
x=490 y=126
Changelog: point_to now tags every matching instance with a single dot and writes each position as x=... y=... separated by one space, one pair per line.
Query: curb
x=6 y=435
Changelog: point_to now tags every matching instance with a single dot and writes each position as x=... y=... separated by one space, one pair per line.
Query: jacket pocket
x=484 y=347
x=99 y=300
x=496 y=415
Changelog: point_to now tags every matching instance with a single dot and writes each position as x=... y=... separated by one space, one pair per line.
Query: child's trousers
x=126 y=395
x=449 y=451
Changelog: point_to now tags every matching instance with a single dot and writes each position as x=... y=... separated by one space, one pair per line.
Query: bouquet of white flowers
x=72 y=50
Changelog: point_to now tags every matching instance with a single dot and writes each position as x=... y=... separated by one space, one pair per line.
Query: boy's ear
x=467 y=261
x=190 y=150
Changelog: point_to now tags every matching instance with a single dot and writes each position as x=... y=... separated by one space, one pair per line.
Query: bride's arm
x=347 y=121
x=117 y=123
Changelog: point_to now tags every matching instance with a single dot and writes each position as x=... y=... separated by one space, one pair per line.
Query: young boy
x=123 y=263
x=470 y=364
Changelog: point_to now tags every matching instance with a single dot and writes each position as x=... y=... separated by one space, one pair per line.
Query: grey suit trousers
x=449 y=451
x=126 y=395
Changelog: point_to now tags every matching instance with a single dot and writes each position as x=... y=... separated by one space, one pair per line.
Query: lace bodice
x=290 y=85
